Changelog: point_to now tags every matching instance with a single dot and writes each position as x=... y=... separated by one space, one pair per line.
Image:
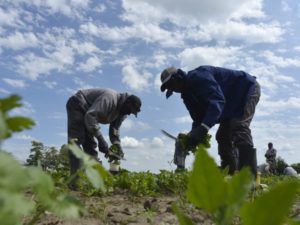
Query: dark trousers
x=78 y=131
x=234 y=135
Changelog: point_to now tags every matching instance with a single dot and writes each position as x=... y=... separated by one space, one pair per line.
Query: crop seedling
x=225 y=199
x=28 y=191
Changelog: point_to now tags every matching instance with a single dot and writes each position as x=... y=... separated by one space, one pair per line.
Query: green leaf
x=13 y=175
x=3 y=127
x=183 y=219
x=10 y=103
x=95 y=178
x=271 y=207
x=206 y=187
x=13 y=206
x=40 y=181
x=293 y=222
x=19 y=123
x=94 y=171
x=238 y=188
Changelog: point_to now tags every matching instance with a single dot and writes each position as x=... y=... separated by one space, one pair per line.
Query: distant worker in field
x=217 y=95
x=271 y=158
x=90 y=107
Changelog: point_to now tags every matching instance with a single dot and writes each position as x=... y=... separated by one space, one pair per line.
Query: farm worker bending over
x=217 y=95
x=90 y=107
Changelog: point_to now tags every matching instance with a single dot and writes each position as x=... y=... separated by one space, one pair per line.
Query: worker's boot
x=247 y=157
x=229 y=159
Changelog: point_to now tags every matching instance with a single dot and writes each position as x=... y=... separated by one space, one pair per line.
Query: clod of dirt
x=169 y=210
x=127 y=211
x=147 y=205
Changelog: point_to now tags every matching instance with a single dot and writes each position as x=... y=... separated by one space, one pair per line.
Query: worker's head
x=171 y=80
x=132 y=105
x=270 y=145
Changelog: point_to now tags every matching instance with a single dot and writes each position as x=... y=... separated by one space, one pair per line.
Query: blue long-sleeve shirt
x=213 y=93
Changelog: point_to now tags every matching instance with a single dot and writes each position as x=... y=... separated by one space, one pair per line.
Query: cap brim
x=163 y=87
x=169 y=93
x=164 y=84
x=136 y=113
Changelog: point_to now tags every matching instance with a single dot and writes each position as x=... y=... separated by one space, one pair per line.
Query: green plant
x=296 y=166
x=29 y=190
x=10 y=124
x=225 y=199
x=280 y=165
x=24 y=190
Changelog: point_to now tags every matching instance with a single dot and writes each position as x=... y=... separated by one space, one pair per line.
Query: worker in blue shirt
x=217 y=95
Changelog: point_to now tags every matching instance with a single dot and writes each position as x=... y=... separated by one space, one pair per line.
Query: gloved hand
x=102 y=145
x=197 y=136
x=115 y=152
x=182 y=139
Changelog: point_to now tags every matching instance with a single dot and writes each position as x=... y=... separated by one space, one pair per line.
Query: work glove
x=115 y=152
x=182 y=139
x=196 y=136
x=102 y=145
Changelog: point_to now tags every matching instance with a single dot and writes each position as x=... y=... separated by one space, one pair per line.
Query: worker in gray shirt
x=89 y=108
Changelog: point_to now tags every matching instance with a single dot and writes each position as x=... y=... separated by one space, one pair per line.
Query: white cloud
x=70 y=8
x=130 y=142
x=219 y=21
x=150 y=33
x=238 y=30
x=63 y=134
x=57 y=115
x=297 y=48
x=19 y=41
x=50 y=84
x=24 y=137
x=184 y=119
x=135 y=80
x=217 y=56
x=84 y=47
x=283 y=104
x=280 y=61
x=15 y=83
x=129 y=124
x=283 y=135
x=90 y=64
x=26 y=110
x=100 y=8
x=10 y=17
x=4 y=91
x=58 y=60
x=192 y=11
x=82 y=84
x=285 y=6
x=157 y=142
x=157 y=81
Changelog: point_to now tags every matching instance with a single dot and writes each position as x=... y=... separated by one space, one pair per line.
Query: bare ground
x=124 y=209
x=131 y=210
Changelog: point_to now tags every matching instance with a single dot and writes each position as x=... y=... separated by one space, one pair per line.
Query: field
x=38 y=192
x=142 y=198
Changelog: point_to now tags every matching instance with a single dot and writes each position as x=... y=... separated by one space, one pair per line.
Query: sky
x=49 y=49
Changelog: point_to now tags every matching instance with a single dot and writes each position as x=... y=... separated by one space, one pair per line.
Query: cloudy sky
x=51 y=48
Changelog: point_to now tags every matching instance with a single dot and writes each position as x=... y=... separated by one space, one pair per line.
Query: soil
x=128 y=209
x=121 y=209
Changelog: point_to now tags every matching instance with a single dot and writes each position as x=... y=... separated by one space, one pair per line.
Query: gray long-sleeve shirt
x=103 y=107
